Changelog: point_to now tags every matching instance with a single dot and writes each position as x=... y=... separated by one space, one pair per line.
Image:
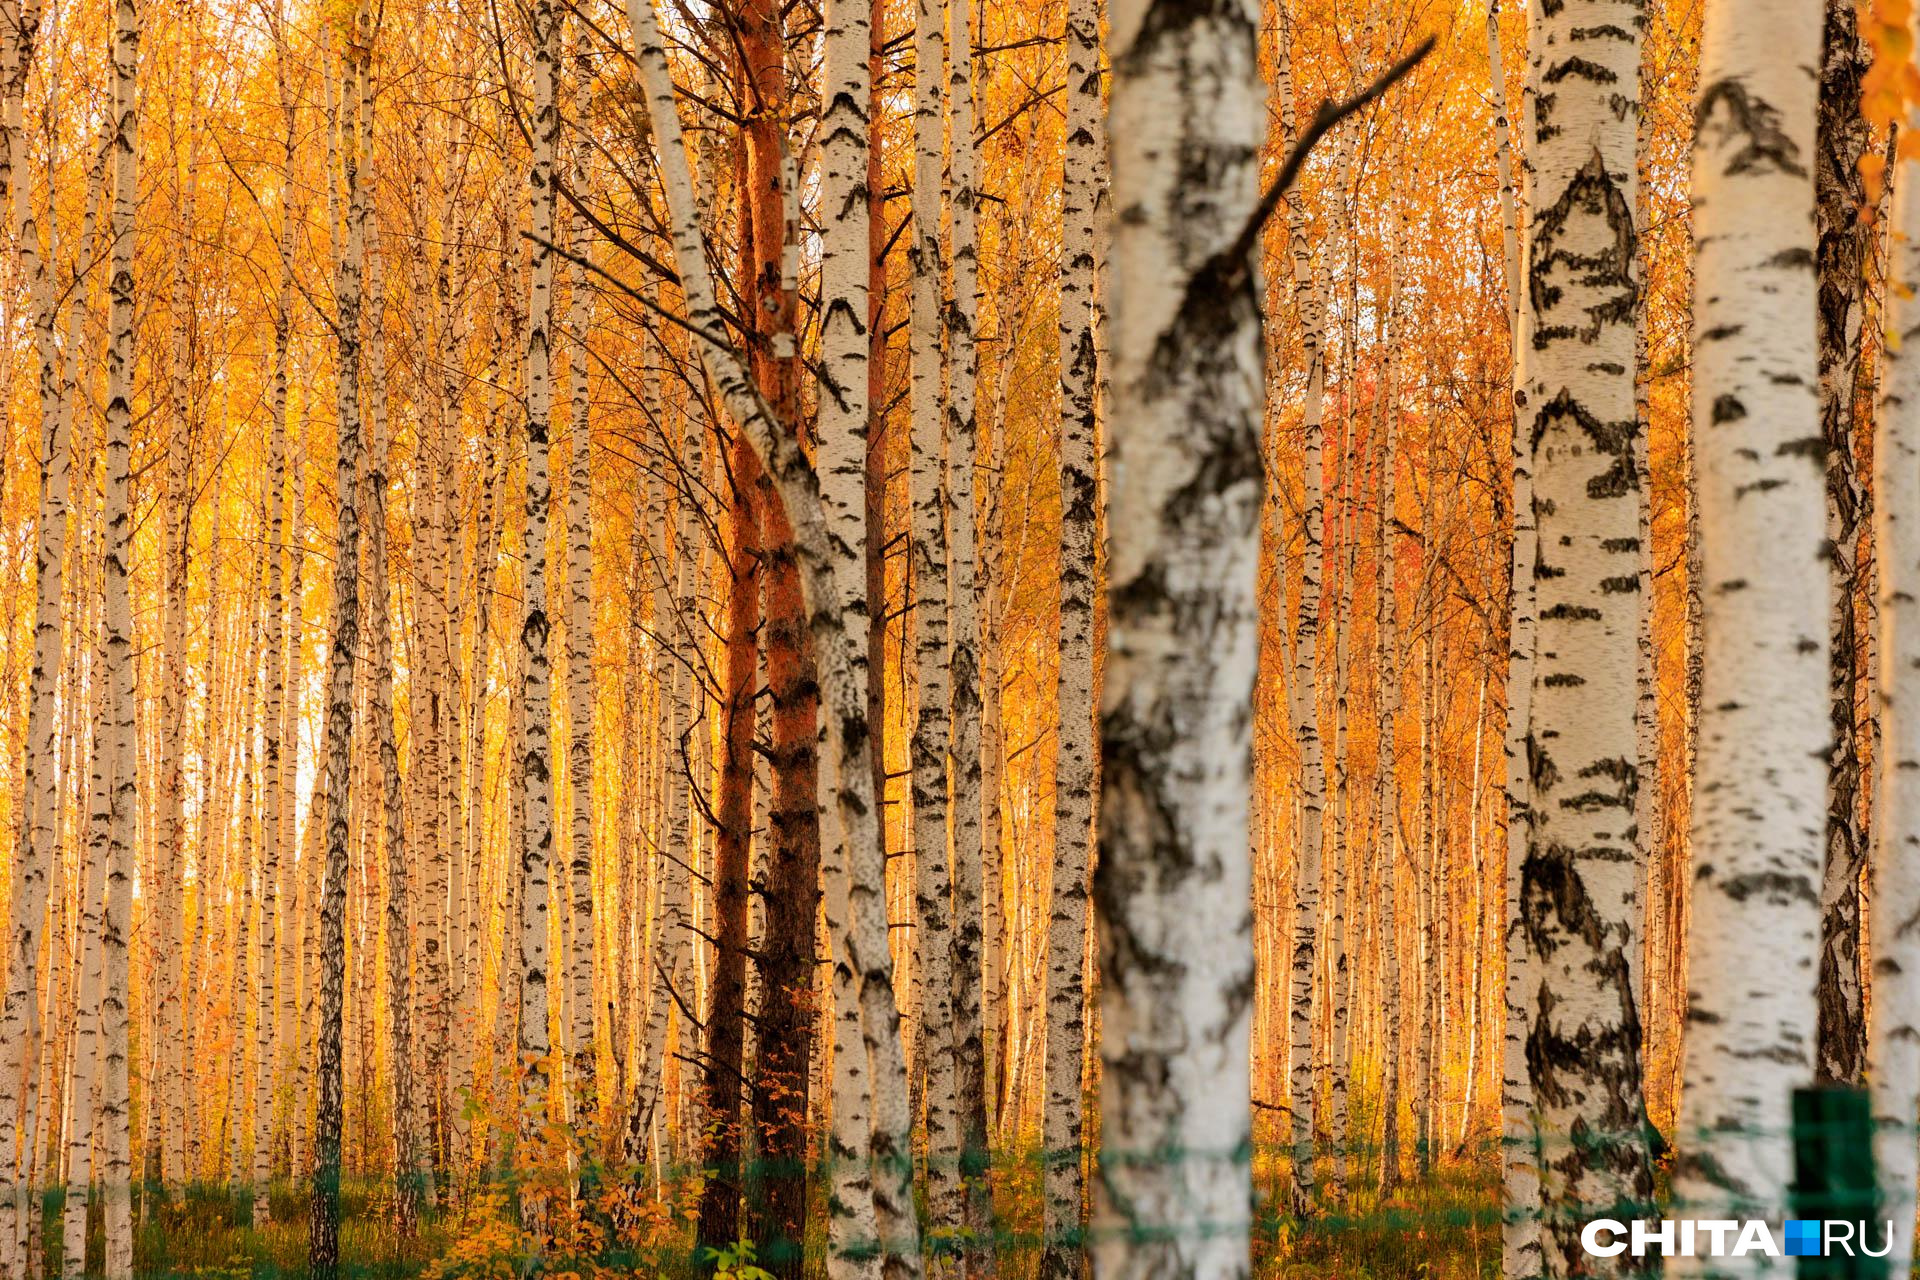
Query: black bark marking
x=1729 y=114
x=1592 y=193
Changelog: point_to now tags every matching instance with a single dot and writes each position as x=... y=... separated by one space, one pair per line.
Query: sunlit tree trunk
x=33 y=860
x=1066 y=938
x=1760 y=789
x=408 y=1158
x=1521 y=1248
x=849 y=779
x=790 y=850
x=583 y=1088
x=81 y=1161
x=534 y=763
x=323 y=1249
x=114 y=747
x=963 y=375
x=846 y=401
x=1174 y=882
x=933 y=912
x=274 y=777
x=167 y=1101
x=672 y=958
x=1305 y=709
x=1386 y=779
x=1840 y=262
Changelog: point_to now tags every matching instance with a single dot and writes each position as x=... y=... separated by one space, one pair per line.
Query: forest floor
x=1443 y=1227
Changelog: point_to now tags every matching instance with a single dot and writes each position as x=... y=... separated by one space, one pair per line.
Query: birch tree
x=32 y=863
x=932 y=902
x=114 y=750
x=535 y=762
x=323 y=1247
x=408 y=1159
x=963 y=375
x=1759 y=794
x=1579 y=881
x=1073 y=767
x=583 y=1088
x=845 y=405
x=1521 y=1248
x=1174 y=879
x=848 y=778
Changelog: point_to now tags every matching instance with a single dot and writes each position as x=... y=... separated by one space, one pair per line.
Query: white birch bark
x=672 y=959
x=274 y=735
x=1894 y=1045
x=1386 y=779
x=1066 y=938
x=1305 y=710
x=846 y=142
x=933 y=912
x=81 y=1160
x=409 y=1158
x=1174 y=884
x=535 y=762
x=1579 y=882
x=114 y=750
x=847 y=776
x=963 y=376
x=329 y=1100
x=1759 y=798
x=34 y=858
x=84 y=1056
x=582 y=1089
x=1520 y=1243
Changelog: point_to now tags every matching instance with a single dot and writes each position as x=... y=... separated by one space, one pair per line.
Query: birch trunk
x=535 y=763
x=1759 y=798
x=409 y=1159
x=114 y=744
x=1066 y=1010
x=323 y=1249
x=273 y=733
x=34 y=858
x=844 y=425
x=1305 y=709
x=963 y=357
x=584 y=1093
x=849 y=777
x=1579 y=882
x=1174 y=881
x=1386 y=781
x=933 y=912
x=672 y=957
x=1894 y=1045
x=1521 y=1248
x=81 y=1160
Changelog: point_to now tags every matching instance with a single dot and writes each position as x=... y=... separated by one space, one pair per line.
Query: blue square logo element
x=1803 y=1237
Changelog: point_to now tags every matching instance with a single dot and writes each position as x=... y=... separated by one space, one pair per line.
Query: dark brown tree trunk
x=726 y=1014
x=1840 y=262
x=776 y=1192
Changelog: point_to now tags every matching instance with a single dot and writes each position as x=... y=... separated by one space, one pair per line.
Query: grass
x=1443 y=1227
